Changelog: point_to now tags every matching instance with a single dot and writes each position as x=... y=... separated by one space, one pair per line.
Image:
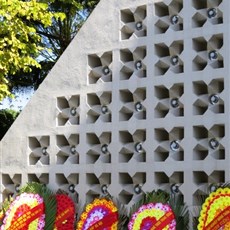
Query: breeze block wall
x=138 y=101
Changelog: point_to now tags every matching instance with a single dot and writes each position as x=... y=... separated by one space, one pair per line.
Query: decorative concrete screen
x=139 y=101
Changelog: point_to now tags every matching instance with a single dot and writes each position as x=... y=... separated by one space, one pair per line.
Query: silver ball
x=73 y=149
x=174 y=60
x=212 y=55
x=104 y=189
x=138 y=106
x=213 y=187
x=174 y=146
x=104 y=109
x=44 y=151
x=214 y=99
x=137 y=189
x=174 y=19
x=212 y=12
x=138 y=65
x=73 y=111
x=174 y=102
x=17 y=187
x=104 y=148
x=139 y=26
x=174 y=188
x=213 y=143
x=72 y=188
x=106 y=70
x=138 y=147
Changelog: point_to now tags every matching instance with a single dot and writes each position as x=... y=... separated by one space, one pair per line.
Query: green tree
x=7 y=117
x=19 y=41
x=55 y=38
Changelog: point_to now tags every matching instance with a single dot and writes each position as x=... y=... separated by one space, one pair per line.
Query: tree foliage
x=19 y=41
x=54 y=38
x=7 y=117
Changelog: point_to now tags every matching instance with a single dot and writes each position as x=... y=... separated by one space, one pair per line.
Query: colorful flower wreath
x=65 y=215
x=25 y=212
x=215 y=212
x=100 y=214
x=158 y=210
x=49 y=200
x=153 y=216
x=37 y=208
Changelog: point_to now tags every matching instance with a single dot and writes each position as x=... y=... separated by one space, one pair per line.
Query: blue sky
x=18 y=102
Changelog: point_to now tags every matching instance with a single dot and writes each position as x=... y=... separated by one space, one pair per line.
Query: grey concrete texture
x=139 y=98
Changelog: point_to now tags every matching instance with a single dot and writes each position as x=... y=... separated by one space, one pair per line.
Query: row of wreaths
x=37 y=208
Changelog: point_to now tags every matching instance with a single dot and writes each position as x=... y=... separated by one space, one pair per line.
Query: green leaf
x=21 y=43
x=181 y=212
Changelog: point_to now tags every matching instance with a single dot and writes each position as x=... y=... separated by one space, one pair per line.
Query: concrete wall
x=139 y=100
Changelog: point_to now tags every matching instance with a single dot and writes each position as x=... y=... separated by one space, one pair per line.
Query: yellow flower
x=213 y=206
